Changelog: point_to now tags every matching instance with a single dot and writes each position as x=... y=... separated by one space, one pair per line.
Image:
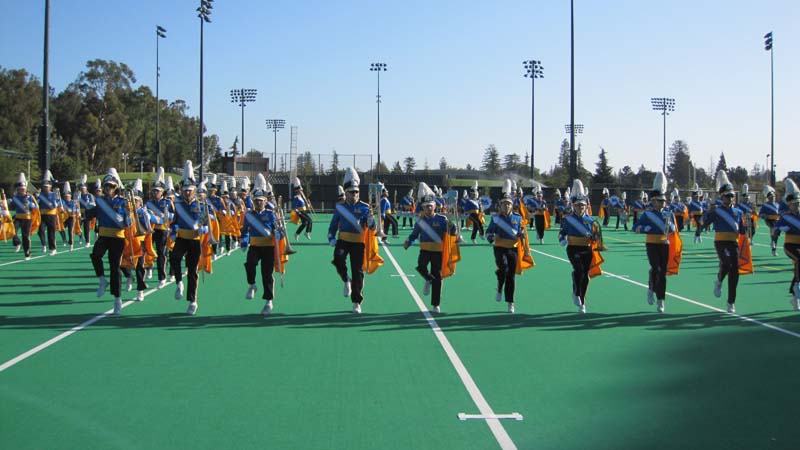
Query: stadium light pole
x=44 y=129
x=161 y=32
x=534 y=70
x=378 y=67
x=572 y=130
x=573 y=156
x=241 y=97
x=204 y=13
x=665 y=105
x=275 y=125
x=768 y=47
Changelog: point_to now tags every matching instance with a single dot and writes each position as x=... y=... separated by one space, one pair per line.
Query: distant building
x=241 y=166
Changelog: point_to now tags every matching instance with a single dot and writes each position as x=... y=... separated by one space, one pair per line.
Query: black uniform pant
x=48 y=226
x=658 y=256
x=66 y=235
x=477 y=226
x=114 y=246
x=698 y=227
x=389 y=223
x=227 y=243
x=140 y=284
x=506 y=261
x=580 y=257
x=191 y=249
x=679 y=222
x=434 y=276
x=305 y=222
x=85 y=222
x=356 y=253
x=624 y=224
x=410 y=220
x=728 y=254
x=539 y=219
x=160 y=244
x=774 y=233
x=23 y=227
x=793 y=252
x=607 y=217
x=265 y=255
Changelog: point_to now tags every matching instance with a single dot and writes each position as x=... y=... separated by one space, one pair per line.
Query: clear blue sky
x=455 y=80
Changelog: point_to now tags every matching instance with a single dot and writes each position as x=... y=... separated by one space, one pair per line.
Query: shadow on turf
x=455 y=322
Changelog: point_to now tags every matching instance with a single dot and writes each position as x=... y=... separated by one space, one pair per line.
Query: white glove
x=332 y=242
x=648 y=228
x=563 y=242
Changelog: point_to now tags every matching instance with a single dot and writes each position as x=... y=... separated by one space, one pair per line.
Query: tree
x=680 y=165
x=626 y=176
x=334 y=163
x=721 y=165
x=443 y=164
x=469 y=167
x=738 y=176
x=235 y=146
x=604 y=173
x=644 y=178
x=20 y=105
x=563 y=155
x=380 y=168
x=212 y=153
x=397 y=168
x=491 y=160
x=409 y=164
x=511 y=162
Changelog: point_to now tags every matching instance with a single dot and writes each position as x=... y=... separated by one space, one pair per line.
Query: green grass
x=314 y=376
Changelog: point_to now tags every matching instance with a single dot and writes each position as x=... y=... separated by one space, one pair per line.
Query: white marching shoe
x=17 y=248
x=651 y=297
x=437 y=309
x=582 y=309
x=53 y=252
x=347 y=289
x=795 y=303
x=129 y=286
x=192 y=309
x=161 y=284
x=44 y=249
x=774 y=251
x=796 y=290
x=731 y=308
x=511 y=308
x=251 y=292
x=357 y=308
x=117 y=306
x=660 y=307
x=427 y=289
x=498 y=296
x=179 y=290
x=717 y=288
x=140 y=296
x=267 y=308
x=576 y=301
x=308 y=235
x=102 y=284
x=149 y=273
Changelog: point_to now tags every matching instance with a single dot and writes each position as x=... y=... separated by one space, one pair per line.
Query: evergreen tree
x=409 y=164
x=397 y=168
x=680 y=164
x=491 y=160
x=443 y=164
x=511 y=162
x=604 y=173
x=721 y=165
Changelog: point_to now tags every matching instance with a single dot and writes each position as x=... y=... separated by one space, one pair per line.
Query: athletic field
x=315 y=376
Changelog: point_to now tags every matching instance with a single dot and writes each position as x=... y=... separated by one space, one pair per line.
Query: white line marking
x=41 y=256
x=688 y=300
x=400 y=275
x=515 y=416
x=495 y=426
x=92 y=321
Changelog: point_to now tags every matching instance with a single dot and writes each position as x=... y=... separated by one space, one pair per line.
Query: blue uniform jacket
x=260 y=229
x=727 y=222
x=348 y=220
x=576 y=229
x=505 y=231
x=430 y=231
x=22 y=204
x=656 y=224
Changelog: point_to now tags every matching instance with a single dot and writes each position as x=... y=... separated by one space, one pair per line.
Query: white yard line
x=485 y=409
x=41 y=256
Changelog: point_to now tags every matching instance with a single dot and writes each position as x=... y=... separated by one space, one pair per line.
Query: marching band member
x=728 y=225
x=161 y=211
x=461 y=203
x=407 y=205
x=657 y=222
x=621 y=209
x=538 y=205
x=697 y=207
x=678 y=209
x=558 y=204
x=215 y=202
x=747 y=208
x=507 y=233
x=349 y=220
x=605 y=207
x=389 y=222
x=770 y=211
x=340 y=196
x=577 y=233
x=431 y=229
x=49 y=204
x=300 y=210
x=186 y=230
x=23 y=205
x=112 y=218
x=144 y=226
x=474 y=210
x=87 y=211
x=259 y=236
x=72 y=209
x=228 y=210
x=244 y=195
x=638 y=206
x=789 y=223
